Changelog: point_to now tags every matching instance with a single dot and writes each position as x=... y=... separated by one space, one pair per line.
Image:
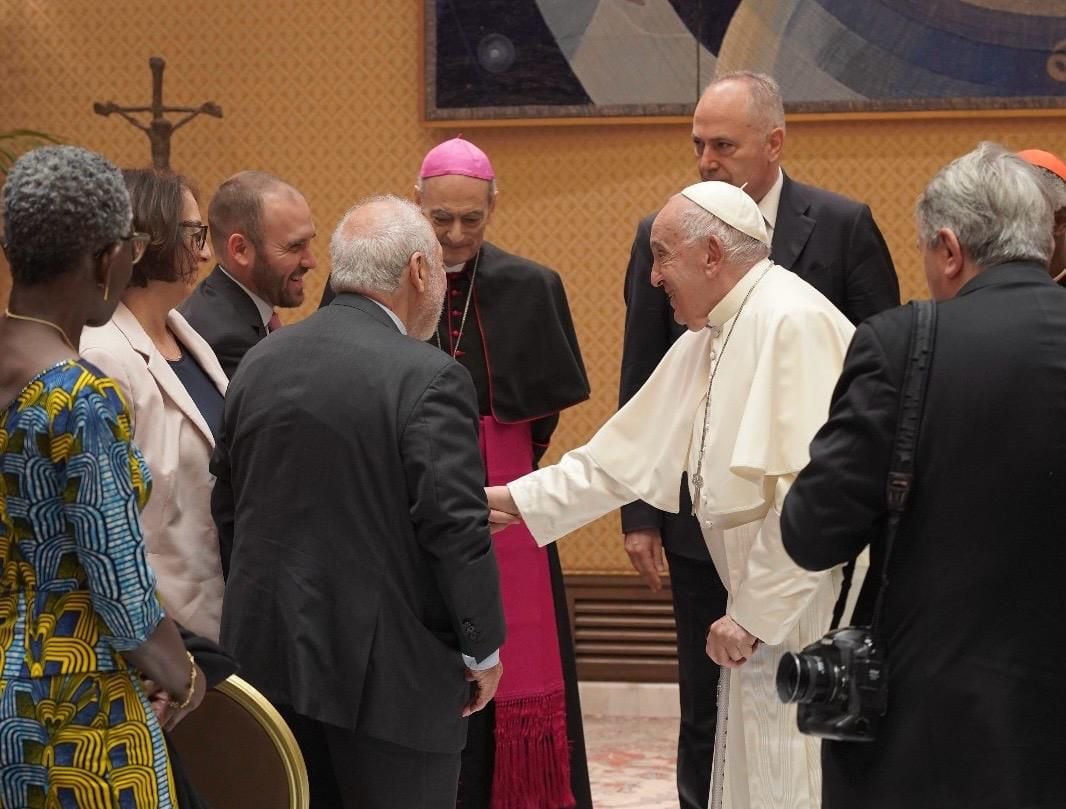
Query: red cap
x=1045 y=160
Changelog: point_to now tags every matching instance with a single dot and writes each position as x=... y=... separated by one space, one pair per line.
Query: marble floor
x=631 y=761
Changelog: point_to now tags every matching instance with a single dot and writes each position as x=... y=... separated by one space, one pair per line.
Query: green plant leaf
x=28 y=133
x=19 y=140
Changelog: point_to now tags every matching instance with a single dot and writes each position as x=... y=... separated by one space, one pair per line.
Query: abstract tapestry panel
x=593 y=58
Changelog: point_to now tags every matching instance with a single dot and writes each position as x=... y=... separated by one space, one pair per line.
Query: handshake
x=502 y=509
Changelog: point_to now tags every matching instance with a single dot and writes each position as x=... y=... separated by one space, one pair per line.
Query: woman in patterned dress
x=79 y=618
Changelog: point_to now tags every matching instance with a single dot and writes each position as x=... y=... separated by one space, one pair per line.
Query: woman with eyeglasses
x=175 y=387
x=80 y=622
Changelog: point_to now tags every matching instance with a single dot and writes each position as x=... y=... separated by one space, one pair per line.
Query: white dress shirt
x=770 y=202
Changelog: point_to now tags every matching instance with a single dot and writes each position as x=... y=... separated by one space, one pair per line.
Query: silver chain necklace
x=697 y=479
x=466 y=309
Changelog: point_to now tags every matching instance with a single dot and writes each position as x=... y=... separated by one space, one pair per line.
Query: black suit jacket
x=226 y=317
x=828 y=240
x=350 y=505
x=973 y=617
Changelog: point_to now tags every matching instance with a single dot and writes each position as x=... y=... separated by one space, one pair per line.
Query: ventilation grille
x=622 y=631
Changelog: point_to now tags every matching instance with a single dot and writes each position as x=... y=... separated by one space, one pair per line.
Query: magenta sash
x=532 y=769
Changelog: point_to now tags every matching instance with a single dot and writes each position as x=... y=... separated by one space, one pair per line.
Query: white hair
x=373 y=257
x=767 y=107
x=697 y=225
x=420 y=183
x=994 y=203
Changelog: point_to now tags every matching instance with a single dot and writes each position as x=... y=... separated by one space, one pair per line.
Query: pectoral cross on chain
x=159 y=128
x=716 y=361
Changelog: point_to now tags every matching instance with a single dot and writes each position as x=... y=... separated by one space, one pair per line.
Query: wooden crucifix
x=159 y=128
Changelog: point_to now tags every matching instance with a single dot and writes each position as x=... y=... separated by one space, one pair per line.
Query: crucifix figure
x=159 y=128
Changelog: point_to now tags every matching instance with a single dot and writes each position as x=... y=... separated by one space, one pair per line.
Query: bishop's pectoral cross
x=159 y=128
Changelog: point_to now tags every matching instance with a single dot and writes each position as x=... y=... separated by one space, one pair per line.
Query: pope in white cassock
x=735 y=402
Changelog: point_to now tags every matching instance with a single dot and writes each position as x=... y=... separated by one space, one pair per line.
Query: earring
x=107 y=291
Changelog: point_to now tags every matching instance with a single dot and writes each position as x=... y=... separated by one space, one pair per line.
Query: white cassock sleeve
x=774 y=592
x=559 y=499
x=639 y=454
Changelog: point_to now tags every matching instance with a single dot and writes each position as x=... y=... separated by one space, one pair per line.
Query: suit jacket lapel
x=793 y=226
x=227 y=288
x=160 y=369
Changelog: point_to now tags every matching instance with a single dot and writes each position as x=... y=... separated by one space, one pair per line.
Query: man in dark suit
x=833 y=243
x=508 y=323
x=261 y=232
x=972 y=617
x=363 y=594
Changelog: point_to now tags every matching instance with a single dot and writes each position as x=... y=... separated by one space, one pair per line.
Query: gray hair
x=61 y=203
x=739 y=249
x=767 y=107
x=995 y=205
x=373 y=256
x=492 y=185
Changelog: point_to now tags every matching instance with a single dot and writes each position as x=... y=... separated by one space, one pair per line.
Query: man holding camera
x=973 y=612
x=734 y=403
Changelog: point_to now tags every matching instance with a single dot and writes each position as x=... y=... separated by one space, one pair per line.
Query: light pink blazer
x=168 y=428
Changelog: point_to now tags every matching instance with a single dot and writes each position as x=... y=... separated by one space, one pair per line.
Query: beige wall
x=326 y=94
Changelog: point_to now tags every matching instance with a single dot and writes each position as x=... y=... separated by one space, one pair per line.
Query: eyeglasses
x=138 y=243
x=197 y=233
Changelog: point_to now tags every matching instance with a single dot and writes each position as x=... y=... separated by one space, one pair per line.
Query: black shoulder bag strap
x=911 y=404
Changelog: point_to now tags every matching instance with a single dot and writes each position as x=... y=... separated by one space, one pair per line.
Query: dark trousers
x=349 y=770
x=475 y=780
x=699 y=600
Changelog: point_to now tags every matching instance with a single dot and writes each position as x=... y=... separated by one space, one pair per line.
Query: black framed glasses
x=197 y=233
x=138 y=243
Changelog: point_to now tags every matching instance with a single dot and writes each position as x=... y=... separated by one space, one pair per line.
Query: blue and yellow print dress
x=76 y=729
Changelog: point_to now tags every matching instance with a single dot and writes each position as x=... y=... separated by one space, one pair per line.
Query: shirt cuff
x=474 y=665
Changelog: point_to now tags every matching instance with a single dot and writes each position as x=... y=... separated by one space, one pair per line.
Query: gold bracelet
x=181 y=706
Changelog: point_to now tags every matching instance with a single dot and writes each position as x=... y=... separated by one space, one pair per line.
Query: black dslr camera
x=840 y=683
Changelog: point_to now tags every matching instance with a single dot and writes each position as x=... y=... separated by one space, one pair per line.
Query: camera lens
x=807 y=678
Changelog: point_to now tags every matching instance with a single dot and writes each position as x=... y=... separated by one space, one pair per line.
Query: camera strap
x=911 y=404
